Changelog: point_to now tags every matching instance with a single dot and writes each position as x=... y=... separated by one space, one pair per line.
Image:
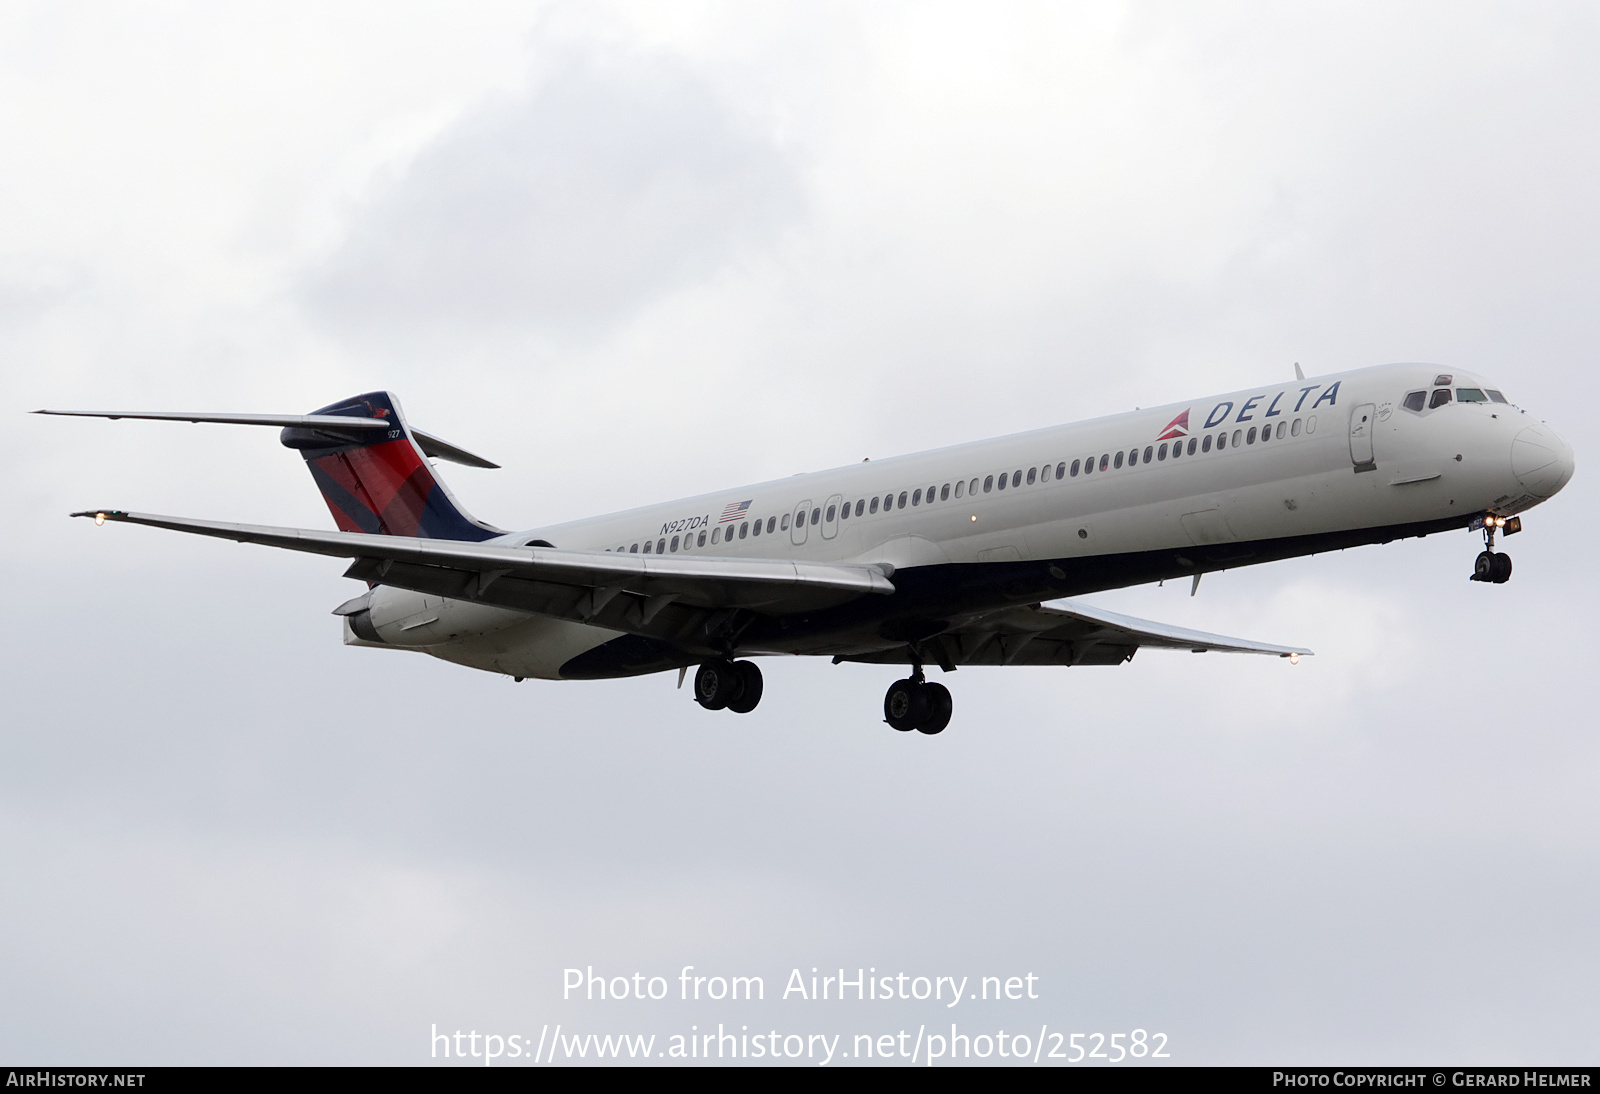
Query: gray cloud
x=565 y=208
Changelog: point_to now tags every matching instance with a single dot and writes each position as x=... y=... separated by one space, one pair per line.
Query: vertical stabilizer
x=378 y=480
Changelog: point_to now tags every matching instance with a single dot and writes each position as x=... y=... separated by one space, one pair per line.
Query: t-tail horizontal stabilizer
x=368 y=462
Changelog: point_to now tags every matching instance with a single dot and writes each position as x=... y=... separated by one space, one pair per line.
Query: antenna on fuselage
x=1298 y=375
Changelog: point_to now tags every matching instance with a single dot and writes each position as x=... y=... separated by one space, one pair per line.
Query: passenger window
x=1441 y=396
x=930 y=495
x=1031 y=474
x=1118 y=461
x=1294 y=428
x=649 y=548
x=972 y=487
x=944 y=492
x=988 y=482
x=702 y=540
x=1074 y=471
x=860 y=507
x=902 y=499
x=1221 y=443
x=1192 y=442
x=770 y=522
x=831 y=511
x=1283 y=427
x=916 y=498
x=961 y=488
x=634 y=549
x=1147 y=452
x=1414 y=400
x=1470 y=395
x=1161 y=453
x=716 y=534
x=1236 y=435
x=1105 y=460
x=1133 y=457
x=661 y=546
x=756 y=531
x=744 y=529
x=1005 y=480
x=1016 y=478
x=1311 y=424
x=888 y=502
x=844 y=511
x=1496 y=397
x=784 y=526
x=1251 y=438
x=674 y=544
x=816 y=515
x=1061 y=469
x=874 y=508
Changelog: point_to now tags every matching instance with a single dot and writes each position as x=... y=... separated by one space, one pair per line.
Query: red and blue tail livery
x=377 y=480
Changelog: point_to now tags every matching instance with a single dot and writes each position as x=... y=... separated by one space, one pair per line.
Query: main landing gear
x=1490 y=565
x=731 y=685
x=914 y=703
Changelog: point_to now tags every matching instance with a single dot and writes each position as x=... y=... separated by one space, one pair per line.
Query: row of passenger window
x=1107 y=461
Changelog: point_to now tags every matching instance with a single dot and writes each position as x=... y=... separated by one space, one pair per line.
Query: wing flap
x=1072 y=633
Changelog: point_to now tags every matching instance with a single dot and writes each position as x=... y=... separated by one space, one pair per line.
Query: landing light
x=1294 y=659
x=974 y=516
x=99 y=518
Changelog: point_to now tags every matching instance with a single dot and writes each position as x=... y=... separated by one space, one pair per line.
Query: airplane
x=945 y=557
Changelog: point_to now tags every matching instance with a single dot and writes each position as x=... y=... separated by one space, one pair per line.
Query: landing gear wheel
x=749 y=687
x=905 y=706
x=940 y=706
x=1501 y=570
x=716 y=684
x=1483 y=567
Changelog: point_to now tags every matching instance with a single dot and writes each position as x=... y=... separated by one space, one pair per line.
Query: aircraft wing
x=1072 y=634
x=664 y=597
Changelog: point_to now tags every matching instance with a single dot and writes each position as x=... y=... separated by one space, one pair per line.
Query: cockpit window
x=1495 y=396
x=1470 y=395
x=1441 y=396
x=1415 y=400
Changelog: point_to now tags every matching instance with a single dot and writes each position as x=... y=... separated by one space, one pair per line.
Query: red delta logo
x=1178 y=427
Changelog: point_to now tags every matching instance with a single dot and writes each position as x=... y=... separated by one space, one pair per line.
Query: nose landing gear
x=1490 y=565
x=730 y=685
x=913 y=703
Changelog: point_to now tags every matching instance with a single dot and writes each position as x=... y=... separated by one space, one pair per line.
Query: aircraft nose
x=1541 y=460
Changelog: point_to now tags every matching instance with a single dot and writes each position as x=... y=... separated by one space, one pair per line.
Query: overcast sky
x=633 y=252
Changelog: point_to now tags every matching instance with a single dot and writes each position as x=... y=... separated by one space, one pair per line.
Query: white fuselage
x=1345 y=454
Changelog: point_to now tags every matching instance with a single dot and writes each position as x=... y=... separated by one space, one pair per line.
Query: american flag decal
x=735 y=511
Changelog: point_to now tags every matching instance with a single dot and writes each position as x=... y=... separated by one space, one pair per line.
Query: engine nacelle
x=388 y=616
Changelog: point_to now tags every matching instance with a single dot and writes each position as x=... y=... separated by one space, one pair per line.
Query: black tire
x=750 y=687
x=1483 y=568
x=1502 y=569
x=940 y=707
x=716 y=684
x=905 y=706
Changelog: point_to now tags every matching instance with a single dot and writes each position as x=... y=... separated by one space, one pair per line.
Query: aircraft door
x=802 y=519
x=830 y=516
x=1361 y=423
